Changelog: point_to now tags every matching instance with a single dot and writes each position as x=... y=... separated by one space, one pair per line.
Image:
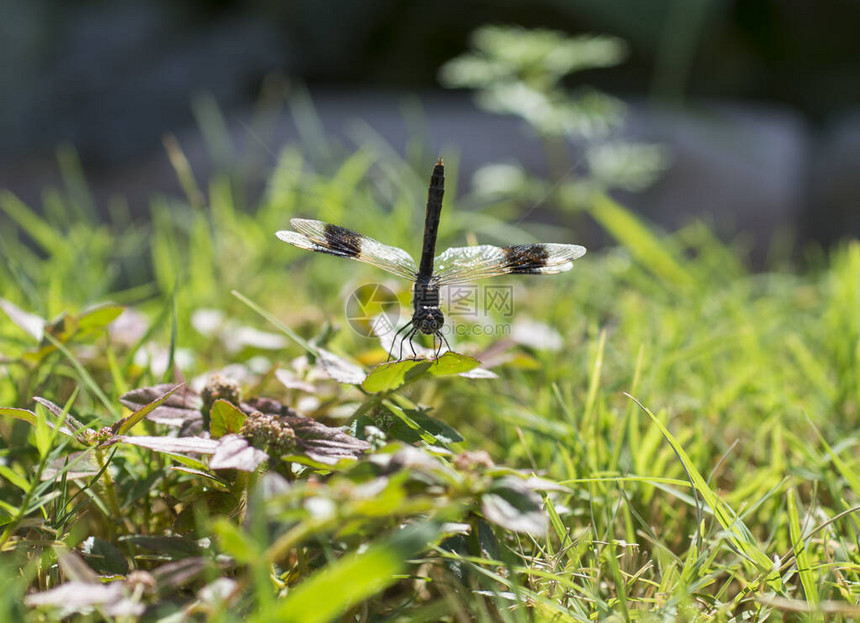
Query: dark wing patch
x=466 y=264
x=342 y=242
x=526 y=259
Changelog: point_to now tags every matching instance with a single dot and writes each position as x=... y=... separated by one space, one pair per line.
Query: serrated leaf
x=453 y=363
x=225 y=418
x=388 y=376
x=124 y=425
x=339 y=369
x=59 y=413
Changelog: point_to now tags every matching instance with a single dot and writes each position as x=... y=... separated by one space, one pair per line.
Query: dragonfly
x=454 y=266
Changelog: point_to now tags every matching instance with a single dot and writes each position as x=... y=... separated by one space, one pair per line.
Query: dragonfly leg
x=411 y=343
x=394 y=341
x=442 y=338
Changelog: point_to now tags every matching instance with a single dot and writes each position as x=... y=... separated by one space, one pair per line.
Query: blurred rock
x=834 y=210
x=741 y=167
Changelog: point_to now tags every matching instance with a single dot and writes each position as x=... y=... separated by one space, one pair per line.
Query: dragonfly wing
x=460 y=265
x=342 y=242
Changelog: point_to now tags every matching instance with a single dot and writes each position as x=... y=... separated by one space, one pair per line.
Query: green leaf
x=451 y=363
x=235 y=542
x=329 y=593
x=19 y=414
x=801 y=555
x=444 y=433
x=225 y=418
x=15 y=478
x=99 y=317
x=103 y=556
x=389 y=376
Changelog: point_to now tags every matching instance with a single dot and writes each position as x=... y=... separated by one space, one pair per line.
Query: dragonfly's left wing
x=461 y=265
x=343 y=242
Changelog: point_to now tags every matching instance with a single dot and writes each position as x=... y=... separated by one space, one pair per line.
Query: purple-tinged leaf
x=291 y=382
x=76 y=465
x=74 y=567
x=323 y=444
x=77 y=597
x=177 y=574
x=179 y=408
x=236 y=452
x=339 y=369
x=126 y=424
x=180 y=445
x=57 y=410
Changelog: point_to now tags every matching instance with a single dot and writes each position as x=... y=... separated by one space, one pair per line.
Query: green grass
x=689 y=453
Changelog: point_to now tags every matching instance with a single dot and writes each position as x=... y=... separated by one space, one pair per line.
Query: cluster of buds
x=271 y=433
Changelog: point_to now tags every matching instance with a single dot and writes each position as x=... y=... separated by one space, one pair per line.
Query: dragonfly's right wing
x=336 y=240
x=461 y=265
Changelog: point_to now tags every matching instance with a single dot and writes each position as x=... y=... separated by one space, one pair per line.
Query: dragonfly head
x=428 y=320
